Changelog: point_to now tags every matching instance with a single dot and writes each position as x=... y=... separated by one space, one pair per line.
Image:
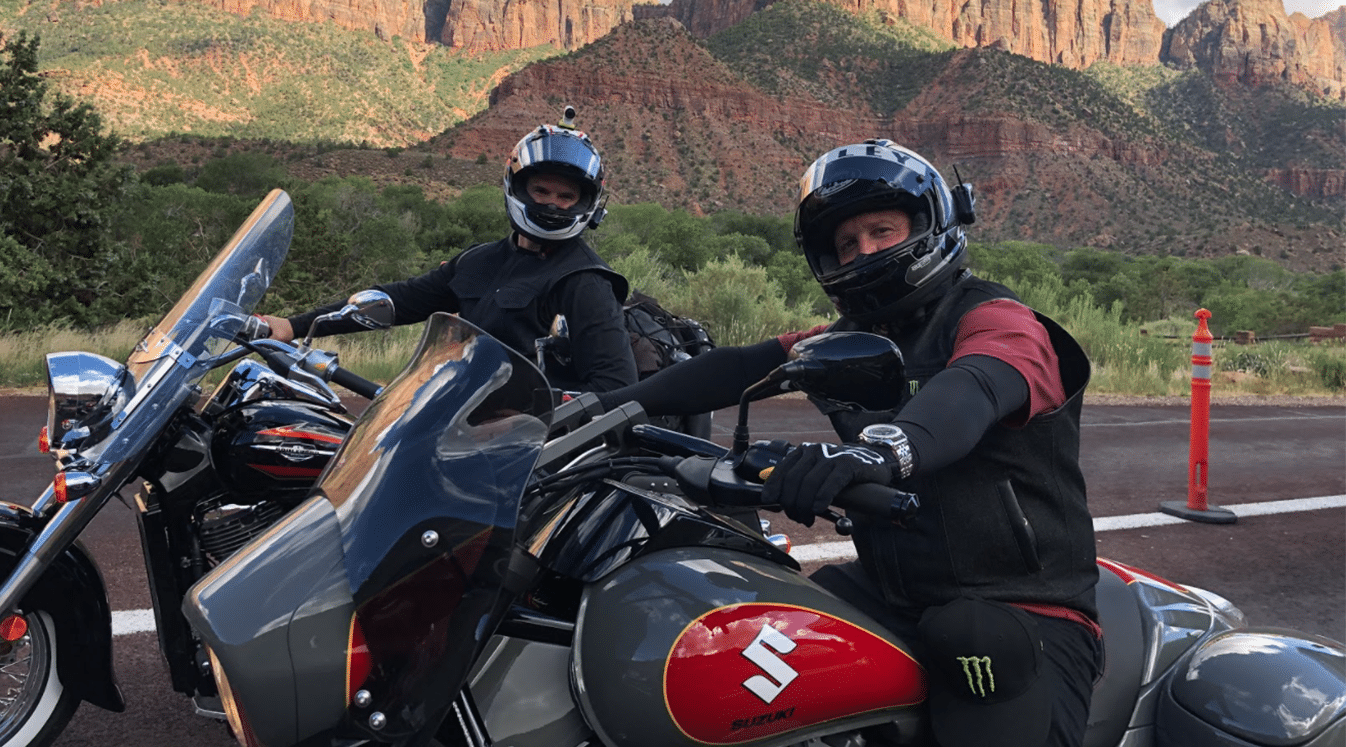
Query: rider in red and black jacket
x=987 y=435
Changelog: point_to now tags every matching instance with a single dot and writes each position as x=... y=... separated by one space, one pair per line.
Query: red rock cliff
x=475 y=25
x=386 y=18
x=1254 y=42
x=1075 y=33
x=482 y=25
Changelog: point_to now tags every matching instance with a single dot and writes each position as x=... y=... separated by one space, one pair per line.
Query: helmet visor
x=562 y=154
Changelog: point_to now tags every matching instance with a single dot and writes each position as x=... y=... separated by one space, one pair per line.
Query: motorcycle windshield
x=169 y=359
x=426 y=490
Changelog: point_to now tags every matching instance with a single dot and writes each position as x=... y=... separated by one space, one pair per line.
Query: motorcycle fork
x=58 y=533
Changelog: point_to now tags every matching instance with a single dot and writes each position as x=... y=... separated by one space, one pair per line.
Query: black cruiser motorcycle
x=215 y=470
x=480 y=567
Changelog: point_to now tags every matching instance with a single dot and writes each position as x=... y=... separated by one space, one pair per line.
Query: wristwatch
x=889 y=435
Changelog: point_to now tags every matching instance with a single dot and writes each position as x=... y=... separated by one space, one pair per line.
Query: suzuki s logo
x=778 y=673
x=980 y=678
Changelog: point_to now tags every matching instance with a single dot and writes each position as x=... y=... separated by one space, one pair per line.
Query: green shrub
x=1330 y=366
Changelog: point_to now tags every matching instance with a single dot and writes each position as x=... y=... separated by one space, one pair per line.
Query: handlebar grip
x=358 y=384
x=255 y=328
x=879 y=501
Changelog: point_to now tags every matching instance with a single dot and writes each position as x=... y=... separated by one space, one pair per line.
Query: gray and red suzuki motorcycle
x=214 y=470
x=479 y=566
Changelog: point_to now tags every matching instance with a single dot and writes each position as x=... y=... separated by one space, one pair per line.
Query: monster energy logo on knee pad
x=980 y=678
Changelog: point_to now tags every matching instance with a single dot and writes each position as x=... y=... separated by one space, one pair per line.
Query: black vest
x=1010 y=521
x=507 y=291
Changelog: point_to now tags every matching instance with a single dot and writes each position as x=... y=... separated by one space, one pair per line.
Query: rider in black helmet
x=995 y=574
x=513 y=288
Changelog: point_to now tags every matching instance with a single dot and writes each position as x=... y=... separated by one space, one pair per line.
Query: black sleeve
x=414 y=300
x=951 y=413
x=710 y=381
x=600 y=346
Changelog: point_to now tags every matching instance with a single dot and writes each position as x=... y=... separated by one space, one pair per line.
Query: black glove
x=808 y=479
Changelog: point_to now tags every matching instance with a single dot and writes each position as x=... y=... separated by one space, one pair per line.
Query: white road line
x=126 y=622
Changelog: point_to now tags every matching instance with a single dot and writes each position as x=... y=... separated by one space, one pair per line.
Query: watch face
x=882 y=431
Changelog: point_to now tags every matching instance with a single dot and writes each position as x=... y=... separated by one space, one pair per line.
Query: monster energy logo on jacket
x=962 y=538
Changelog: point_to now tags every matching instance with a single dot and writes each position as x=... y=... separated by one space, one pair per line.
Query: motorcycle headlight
x=83 y=391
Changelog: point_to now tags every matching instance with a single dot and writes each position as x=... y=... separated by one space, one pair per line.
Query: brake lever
x=842 y=524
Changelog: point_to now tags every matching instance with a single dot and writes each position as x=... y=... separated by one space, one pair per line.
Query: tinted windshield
x=426 y=489
x=168 y=360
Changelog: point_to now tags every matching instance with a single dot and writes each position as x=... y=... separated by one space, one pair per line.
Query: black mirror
x=855 y=370
x=852 y=370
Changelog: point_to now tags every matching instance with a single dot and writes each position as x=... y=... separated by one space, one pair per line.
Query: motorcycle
x=216 y=470
x=480 y=566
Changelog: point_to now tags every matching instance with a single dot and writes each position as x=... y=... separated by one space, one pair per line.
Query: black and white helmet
x=881 y=175
x=561 y=150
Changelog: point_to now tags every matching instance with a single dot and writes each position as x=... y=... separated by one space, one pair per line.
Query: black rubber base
x=1212 y=514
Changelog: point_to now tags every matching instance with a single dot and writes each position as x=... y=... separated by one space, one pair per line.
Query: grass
x=1125 y=360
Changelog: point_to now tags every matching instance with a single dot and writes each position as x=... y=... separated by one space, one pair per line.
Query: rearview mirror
x=372 y=309
x=855 y=370
x=852 y=370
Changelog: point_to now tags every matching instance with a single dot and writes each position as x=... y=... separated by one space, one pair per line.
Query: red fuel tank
x=701 y=646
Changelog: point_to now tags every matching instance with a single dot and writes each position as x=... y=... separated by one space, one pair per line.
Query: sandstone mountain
x=1249 y=40
x=475 y=25
x=1253 y=42
x=1055 y=158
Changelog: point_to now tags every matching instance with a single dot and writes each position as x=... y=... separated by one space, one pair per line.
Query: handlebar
x=879 y=501
x=358 y=384
x=255 y=328
x=736 y=479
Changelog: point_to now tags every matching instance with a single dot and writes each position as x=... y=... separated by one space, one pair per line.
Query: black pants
x=1073 y=655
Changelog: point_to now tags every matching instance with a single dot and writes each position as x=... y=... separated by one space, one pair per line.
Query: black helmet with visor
x=891 y=284
x=566 y=152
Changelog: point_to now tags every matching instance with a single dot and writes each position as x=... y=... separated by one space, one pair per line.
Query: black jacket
x=513 y=294
x=1010 y=520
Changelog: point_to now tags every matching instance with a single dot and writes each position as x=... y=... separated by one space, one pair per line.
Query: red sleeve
x=789 y=339
x=1008 y=331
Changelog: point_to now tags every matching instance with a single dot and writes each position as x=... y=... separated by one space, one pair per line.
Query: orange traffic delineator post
x=1196 y=508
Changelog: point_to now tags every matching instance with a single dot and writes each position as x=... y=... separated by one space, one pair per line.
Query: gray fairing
x=522 y=690
x=1257 y=686
x=283 y=650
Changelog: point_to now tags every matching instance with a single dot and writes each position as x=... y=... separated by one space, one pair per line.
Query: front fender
x=72 y=591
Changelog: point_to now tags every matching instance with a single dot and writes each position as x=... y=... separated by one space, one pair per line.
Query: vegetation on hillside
x=160 y=67
x=818 y=50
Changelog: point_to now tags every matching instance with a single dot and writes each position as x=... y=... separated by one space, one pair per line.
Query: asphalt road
x=1283 y=568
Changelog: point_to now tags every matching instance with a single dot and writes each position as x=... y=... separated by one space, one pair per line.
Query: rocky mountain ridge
x=679 y=127
x=473 y=25
x=1248 y=40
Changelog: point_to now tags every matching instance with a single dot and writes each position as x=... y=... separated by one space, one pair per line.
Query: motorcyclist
x=513 y=288
x=995 y=575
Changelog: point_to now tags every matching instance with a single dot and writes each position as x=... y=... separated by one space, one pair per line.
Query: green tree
x=59 y=190
x=1014 y=262
x=246 y=174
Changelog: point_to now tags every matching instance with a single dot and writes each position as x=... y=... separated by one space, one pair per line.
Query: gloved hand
x=812 y=475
